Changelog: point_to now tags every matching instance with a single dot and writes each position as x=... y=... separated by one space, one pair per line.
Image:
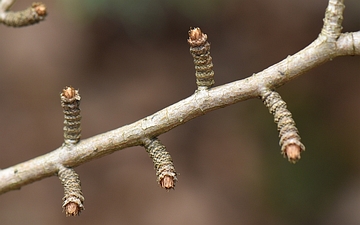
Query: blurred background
x=130 y=59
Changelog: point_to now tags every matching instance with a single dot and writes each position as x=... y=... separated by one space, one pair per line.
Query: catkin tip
x=167 y=182
x=72 y=209
x=69 y=92
x=196 y=37
x=195 y=33
x=40 y=8
x=292 y=152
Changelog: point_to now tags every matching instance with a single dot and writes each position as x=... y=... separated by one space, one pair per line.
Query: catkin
x=290 y=143
x=73 y=197
x=200 y=50
x=70 y=102
x=163 y=164
x=29 y=16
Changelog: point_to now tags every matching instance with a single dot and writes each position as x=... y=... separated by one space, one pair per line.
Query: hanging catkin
x=163 y=164
x=288 y=133
x=200 y=50
x=73 y=198
x=29 y=16
x=70 y=102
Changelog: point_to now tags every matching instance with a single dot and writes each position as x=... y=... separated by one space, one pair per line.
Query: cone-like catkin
x=73 y=198
x=288 y=133
x=34 y=14
x=163 y=164
x=70 y=102
x=200 y=50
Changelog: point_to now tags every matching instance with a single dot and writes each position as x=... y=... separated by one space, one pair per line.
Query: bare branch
x=328 y=45
x=333 y=19
x=5 y=5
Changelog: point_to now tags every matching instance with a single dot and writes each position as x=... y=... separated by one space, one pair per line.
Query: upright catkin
x=70 y=102
x=200 y=50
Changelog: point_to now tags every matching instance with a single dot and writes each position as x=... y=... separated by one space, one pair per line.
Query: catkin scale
x=163 y=164
x=29 y=16
x=200 y=50
x=290 y=143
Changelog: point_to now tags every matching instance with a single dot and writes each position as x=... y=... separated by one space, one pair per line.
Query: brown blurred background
x=130 y=59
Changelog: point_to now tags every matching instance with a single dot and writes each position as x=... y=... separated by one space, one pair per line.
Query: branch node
x=163 y=164
x=291 y=147
x=200 y=50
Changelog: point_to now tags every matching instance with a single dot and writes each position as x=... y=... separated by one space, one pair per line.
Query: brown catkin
x=70 y=102
x=73 y=197
x=200 y=50
x=34 y=14
x=163 y=164
x=290 y=143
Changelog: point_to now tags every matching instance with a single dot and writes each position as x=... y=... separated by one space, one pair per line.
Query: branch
x=331 y=43
x=6 y=4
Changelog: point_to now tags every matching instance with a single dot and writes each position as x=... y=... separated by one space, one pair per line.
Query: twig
x=5 y=5
x=328 y=45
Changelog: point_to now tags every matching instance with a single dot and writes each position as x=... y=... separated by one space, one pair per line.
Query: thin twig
x=323 y=49
x=5 y=5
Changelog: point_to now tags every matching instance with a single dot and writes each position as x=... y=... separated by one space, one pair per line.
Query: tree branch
x=330 y=44
x=5 y=5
